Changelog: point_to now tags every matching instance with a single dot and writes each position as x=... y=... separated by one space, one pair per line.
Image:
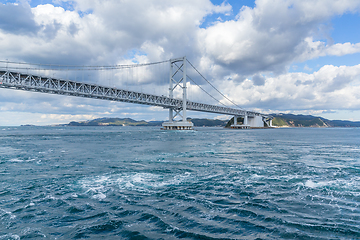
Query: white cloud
x=329 y=88
x=260 y=44
x=343 y=49
x=315 y=49
x=24 y=22
x=272 y=35
x=265 y=38
x=13 y=118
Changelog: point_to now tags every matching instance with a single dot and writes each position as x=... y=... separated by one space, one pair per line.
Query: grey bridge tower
x=178 y=76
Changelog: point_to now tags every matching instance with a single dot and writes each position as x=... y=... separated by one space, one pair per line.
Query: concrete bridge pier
x=178 y=125
x=242 y=126
x=251 y=121
x=256 y=122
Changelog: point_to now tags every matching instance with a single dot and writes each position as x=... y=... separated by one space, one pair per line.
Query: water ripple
x=142 y=183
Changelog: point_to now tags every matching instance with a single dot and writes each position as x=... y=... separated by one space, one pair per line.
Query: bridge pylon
x=178 y=77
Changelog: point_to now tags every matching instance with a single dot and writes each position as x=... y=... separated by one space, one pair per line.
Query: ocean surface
x=212 y=183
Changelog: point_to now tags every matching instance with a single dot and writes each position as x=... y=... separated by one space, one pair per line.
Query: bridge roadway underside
x=27 y=82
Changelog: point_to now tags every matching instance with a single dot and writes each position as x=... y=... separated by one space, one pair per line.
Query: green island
x=291 y=120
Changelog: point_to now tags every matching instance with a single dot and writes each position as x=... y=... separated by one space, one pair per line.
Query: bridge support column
x=178 y=72
x=246 y=119
x=243 y=126
x=256 y=121
x=171 y=110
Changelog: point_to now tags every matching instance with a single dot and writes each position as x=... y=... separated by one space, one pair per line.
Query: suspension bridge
x=38 y=79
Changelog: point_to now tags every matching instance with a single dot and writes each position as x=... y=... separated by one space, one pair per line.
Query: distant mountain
x=291 y=120
x=280 y=120
x=200 y=122
x=131 y=122
x=110 y=122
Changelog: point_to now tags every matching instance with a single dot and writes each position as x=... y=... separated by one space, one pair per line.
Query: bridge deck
x=28 y=82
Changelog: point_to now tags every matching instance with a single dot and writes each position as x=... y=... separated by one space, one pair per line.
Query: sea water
x=211 y=183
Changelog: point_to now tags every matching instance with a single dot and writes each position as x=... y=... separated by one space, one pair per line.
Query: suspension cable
x=213 y=85
x=201 y=87
x=206 y=91
x=82 y=67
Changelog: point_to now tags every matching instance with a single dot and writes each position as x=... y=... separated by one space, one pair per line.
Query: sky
x=271 y=56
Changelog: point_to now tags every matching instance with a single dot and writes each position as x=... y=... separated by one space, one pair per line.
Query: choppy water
x=144 y=183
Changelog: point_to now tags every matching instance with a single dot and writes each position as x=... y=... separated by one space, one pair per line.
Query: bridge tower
x=178 y=76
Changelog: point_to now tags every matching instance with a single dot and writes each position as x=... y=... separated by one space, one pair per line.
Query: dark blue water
x=144 y=183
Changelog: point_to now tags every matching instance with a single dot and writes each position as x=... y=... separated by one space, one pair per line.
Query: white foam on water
x=102 y=179
x=99 y=196
x=148 y=181
x=3 y=212
x=30 y=160
x=97 y=187
x=129 y=185
x=311 y=184
x=8 y=150
x=10 y=236
x=352 y=184
x=138 y=181
x=50 y=197
x=16 y=160
x=48 y=151
x=94 y=189
x=256 y=176
x=178 y=179
x=29 y=230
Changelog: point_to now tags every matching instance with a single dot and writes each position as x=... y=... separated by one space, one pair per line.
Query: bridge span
x=28 y=82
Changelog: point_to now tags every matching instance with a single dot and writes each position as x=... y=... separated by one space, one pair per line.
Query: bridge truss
x=35 y=83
